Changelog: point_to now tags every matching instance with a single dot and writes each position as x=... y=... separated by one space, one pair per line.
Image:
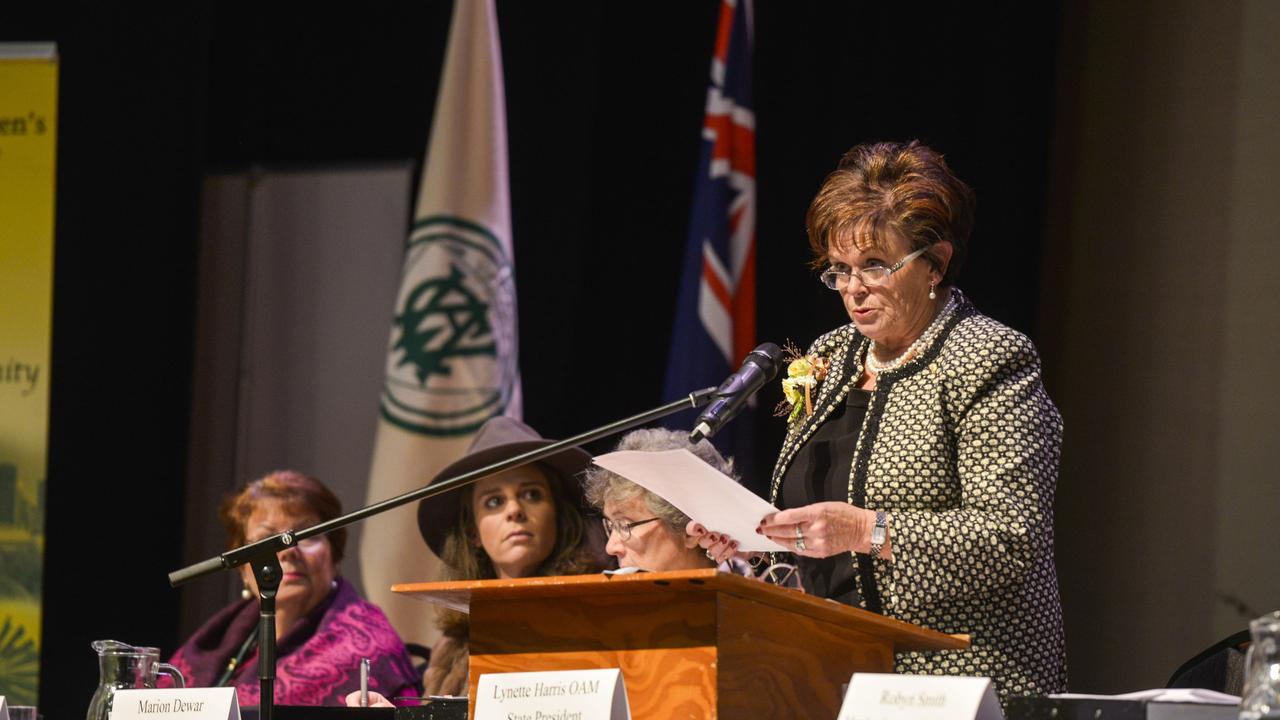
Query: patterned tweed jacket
x=960 y=447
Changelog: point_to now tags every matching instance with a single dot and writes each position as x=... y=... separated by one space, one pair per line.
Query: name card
x=562 y=695
x=185 y=703
x=16 y=712
x=879 y=696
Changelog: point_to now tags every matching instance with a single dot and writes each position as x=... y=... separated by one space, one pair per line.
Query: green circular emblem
x=452 y=361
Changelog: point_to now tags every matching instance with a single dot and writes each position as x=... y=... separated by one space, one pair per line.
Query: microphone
x=758 y=368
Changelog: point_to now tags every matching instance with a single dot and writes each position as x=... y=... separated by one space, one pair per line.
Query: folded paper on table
x=554 y=695
x=218 y=703
x=919 y=697
x=700 y=491
x=1163 y=695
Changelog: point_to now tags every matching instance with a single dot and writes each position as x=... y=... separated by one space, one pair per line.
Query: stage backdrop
x=297 y=271
x=1162 y=332
x=28 y=112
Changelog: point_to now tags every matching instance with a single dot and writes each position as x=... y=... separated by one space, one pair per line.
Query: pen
x=364 y=682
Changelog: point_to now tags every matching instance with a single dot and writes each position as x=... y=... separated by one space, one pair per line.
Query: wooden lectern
x=691 y=644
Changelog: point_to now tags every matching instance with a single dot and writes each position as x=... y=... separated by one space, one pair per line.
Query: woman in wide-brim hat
x=525 y=522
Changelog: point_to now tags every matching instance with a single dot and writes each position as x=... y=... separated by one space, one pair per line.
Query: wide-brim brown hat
x=500 y=438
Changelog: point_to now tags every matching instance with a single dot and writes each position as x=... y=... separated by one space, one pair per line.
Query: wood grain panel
x=593 y=623
x=776 y=664
x=682 y=639
x=460 y=594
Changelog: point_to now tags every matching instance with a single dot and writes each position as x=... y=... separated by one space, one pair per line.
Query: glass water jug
x=1261 y=697
x=122 y=666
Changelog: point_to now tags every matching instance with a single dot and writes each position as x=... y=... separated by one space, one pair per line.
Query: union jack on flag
x=715 y=324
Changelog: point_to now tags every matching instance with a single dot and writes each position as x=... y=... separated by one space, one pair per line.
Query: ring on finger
x=799 y=533
x=800 y=544
x=710 y=555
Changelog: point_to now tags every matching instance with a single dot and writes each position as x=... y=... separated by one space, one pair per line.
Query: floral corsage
x=804 y=372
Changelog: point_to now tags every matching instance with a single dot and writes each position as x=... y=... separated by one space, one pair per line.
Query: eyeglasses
x=623 y=528
x=869 y=277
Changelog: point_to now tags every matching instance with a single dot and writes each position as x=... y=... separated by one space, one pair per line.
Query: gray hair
x=603 y=486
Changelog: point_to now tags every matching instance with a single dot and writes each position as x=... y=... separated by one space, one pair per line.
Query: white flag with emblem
x=451 y=361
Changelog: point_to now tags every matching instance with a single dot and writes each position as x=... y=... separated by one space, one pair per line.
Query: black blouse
x=820 y=472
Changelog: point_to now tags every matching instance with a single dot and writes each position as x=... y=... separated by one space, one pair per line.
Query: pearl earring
x=933 y=295
x=246 y=593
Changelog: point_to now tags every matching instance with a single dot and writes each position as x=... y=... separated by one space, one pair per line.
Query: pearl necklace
x=925 y=340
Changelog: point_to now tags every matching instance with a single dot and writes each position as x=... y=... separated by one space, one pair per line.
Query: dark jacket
x=960 y=447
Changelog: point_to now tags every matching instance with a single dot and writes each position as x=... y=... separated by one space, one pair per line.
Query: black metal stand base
x=266 y=570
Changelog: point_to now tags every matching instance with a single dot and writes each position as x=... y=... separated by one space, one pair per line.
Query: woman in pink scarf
x=323 y=627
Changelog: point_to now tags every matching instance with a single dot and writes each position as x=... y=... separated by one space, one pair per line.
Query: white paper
x=1164 y=695
x=187 y=703
x=580 y=694
x=889 y=696
x=700 y=491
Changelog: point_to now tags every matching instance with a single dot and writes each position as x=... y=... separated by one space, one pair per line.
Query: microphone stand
x=266 y=565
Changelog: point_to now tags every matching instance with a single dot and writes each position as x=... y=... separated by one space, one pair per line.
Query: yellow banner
x=28 y=129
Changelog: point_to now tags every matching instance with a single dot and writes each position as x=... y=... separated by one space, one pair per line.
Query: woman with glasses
x=918 y=472
x=525 y=522
x=644 y=530
x=323 y=627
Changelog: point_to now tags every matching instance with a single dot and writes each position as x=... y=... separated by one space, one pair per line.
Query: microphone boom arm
x=276 y=543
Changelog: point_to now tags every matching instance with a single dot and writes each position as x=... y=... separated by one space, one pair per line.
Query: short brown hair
x=300 y=494
x=887 y=187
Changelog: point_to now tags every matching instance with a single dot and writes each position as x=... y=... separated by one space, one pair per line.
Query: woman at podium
x=918 y=471
x=645 y=531
x=323 y=628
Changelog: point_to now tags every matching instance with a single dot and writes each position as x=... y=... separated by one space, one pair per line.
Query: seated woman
x=323 y=628
x=525 y=522
x=645 y=531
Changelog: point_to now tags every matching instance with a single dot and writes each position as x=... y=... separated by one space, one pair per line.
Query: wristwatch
x=879 y=534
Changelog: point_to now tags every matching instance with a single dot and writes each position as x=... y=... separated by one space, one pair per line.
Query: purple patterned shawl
x=318 y=661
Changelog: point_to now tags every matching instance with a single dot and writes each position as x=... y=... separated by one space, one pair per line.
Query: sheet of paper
x=699 y=490
x=1164 y=695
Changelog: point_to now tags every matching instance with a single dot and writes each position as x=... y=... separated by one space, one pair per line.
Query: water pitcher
x=1261 y=697
x=122 y=666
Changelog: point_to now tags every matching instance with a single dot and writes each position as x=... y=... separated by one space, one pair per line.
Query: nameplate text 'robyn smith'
x=889 y=696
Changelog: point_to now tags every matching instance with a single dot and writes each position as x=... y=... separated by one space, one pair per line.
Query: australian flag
x=715 y=323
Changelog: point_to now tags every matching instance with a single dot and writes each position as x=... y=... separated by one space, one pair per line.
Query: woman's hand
x=375 y=700
x=717 y=546
x=822 y=529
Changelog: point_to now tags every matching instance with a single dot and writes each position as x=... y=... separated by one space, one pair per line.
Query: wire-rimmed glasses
x=623 y=528
x=868 y=276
